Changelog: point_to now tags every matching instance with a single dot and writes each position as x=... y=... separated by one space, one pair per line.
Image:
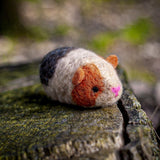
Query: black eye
x=95 y=89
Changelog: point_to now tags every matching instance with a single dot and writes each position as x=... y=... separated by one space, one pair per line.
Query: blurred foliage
x=11 y=45
x=37 y=33
x=136 y=33
x=11 y=23
x=89 y=5
x=61 y=30
x=103 y=41
x=143 y=75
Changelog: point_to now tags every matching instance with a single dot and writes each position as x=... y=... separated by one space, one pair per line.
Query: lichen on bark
x=34 y=127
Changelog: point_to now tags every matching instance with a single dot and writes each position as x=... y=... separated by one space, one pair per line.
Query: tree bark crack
x=125 y=135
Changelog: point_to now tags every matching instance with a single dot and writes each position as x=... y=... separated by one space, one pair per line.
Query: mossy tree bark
x=34 y=127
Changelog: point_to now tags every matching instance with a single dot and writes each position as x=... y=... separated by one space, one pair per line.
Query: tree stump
x=34 y=127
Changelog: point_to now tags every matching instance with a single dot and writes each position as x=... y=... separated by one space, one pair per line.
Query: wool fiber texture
x=94 y=82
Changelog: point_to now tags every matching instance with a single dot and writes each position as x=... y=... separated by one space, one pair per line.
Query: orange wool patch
x=86 y=92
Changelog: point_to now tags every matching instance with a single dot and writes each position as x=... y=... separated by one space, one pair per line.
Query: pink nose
x=115 y=90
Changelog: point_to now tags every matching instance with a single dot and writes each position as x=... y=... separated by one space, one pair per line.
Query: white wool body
x=60 y=85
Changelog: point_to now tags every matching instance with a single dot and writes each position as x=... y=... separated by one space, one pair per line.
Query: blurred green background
x=130 y=29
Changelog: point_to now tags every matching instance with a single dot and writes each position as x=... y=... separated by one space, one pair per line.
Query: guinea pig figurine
x=80 y=77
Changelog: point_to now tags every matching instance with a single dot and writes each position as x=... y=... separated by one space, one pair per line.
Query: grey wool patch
x=49 y=62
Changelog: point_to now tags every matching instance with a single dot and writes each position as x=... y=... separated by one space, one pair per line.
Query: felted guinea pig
x=80 y=77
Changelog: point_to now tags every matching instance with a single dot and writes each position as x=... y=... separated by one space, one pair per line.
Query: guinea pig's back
x=49 y=62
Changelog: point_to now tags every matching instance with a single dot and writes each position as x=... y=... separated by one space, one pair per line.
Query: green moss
x=34 y=127
x=30 y=121
x=10 y=73
x=32 y=104
x=138 y=32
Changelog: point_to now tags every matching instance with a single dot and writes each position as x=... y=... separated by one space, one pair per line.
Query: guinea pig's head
x=97 y=85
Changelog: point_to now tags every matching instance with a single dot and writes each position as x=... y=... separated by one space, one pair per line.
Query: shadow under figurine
x=80 y=77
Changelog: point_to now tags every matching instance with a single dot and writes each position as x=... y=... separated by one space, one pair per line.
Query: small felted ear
x=113 y=59
x=78 y=76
